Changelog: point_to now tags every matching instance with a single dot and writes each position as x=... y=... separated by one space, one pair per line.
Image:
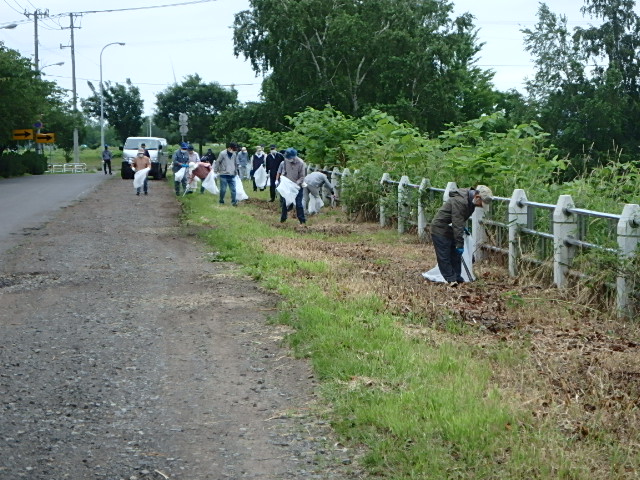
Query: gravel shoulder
x=124 y=353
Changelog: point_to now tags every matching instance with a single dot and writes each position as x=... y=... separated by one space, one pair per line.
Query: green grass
x=418 y=409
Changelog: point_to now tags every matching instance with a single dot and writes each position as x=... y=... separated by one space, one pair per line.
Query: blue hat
x=184 y=145
x=290 y=153
x=106 y=146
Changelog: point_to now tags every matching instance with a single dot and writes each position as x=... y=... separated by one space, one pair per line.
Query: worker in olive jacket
x=448 y=225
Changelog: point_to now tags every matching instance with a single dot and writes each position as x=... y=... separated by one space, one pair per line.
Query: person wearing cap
x=274 y=159
x=243 y=163
x=257 y=160
x=294 y=169
x=314 y=183
x=208 y=157
x=146 y=152
x=139 y=162
x=106 y=159
x=180 y=160
x=448 y=229
x=194 y=159
x=226 y=167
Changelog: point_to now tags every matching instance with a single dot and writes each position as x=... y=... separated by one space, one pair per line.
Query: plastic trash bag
x=260 y=177
x=209 y=183
x=240 y=193
x=315 y=204
x=138 y=178
x=288 y=190
x=179 y=175
x=435 y=276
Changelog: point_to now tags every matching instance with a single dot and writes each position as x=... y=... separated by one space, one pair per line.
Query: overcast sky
x=164 y=45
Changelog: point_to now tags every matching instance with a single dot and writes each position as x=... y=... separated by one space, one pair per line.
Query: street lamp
x=102 y=95
x=52 y=65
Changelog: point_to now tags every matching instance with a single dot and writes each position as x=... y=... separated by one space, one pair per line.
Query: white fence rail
x=567 y=227
x=67 y=168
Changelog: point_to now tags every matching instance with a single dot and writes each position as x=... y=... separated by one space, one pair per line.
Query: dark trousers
x=299 y=209
x=107 y=163
x=182 y=182
x=449 y=260
x=272 y=187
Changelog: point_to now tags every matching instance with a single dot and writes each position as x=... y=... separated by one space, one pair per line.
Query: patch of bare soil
x=126 y=354
x=582 y=367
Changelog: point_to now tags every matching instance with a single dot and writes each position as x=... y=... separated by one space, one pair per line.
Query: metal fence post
x=517 y=219
x=628 y=239
x=403 y=207
x=422 y=219
x=383 y=217
x=565 y=225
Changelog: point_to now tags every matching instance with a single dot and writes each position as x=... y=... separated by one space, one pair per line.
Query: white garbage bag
x=138 y=178
x=315 y=204
x=179 y=175
x=467 y=256
x=209 y=183
x=240 y=193
x=288 y=190
x=260 y=177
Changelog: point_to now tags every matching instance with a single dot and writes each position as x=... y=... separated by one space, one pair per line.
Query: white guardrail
x=566 y=232
x=67 y=168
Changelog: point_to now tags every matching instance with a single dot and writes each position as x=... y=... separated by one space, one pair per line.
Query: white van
x=157 y=150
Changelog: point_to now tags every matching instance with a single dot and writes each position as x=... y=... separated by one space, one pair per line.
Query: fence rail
x=67 y=168
x=566 y=232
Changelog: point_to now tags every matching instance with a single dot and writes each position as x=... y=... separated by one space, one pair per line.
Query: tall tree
x=586 y=84
x=357 y=54
x=202 y=102
x=123 y=107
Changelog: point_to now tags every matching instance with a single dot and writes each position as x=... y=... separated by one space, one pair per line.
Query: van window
x=134 y=143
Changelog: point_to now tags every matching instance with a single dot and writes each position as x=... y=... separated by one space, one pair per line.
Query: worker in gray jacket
x=294 y=169
x=448 y=226
x=314 y=183
x=227 y=168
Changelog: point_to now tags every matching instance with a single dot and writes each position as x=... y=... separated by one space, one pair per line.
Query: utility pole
x=76 y=148
x=35 y=14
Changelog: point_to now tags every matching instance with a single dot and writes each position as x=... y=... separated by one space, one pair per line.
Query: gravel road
x=125 y=354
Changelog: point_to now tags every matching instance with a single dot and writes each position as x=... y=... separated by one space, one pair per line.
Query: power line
x=12 y=7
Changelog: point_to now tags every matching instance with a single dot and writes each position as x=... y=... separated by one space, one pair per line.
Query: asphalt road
x=28 y=202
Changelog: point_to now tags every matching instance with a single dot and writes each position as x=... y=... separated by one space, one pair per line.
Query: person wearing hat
x=140 y=162
x=294 y=169
x=243 y=163
x=274 y=159
x=226 y=167
x=257 y=160
x=180 y=160
x=448 y=228
x=209 y=157
x=194 y=159
x=106 y=159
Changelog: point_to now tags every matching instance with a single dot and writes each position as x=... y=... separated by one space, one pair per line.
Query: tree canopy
x=123 y=107
x=586 y=90
x=405 y=56
x=202 y=102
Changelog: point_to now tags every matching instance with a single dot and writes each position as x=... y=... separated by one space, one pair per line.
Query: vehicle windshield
x=134 y=143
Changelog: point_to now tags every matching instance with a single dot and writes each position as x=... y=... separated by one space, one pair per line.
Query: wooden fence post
x=517 y=219
x=403 y=206
x=383 y=217
x=628 y=239
x=422 y=219
x=565 y=225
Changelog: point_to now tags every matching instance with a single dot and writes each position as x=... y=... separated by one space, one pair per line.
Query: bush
x=15 y=165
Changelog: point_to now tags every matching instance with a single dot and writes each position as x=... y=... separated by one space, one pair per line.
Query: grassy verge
x=421 y=403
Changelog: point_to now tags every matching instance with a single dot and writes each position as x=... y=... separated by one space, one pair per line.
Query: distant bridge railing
x=513 y=225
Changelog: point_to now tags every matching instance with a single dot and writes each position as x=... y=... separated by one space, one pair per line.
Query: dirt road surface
x=125 y=354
